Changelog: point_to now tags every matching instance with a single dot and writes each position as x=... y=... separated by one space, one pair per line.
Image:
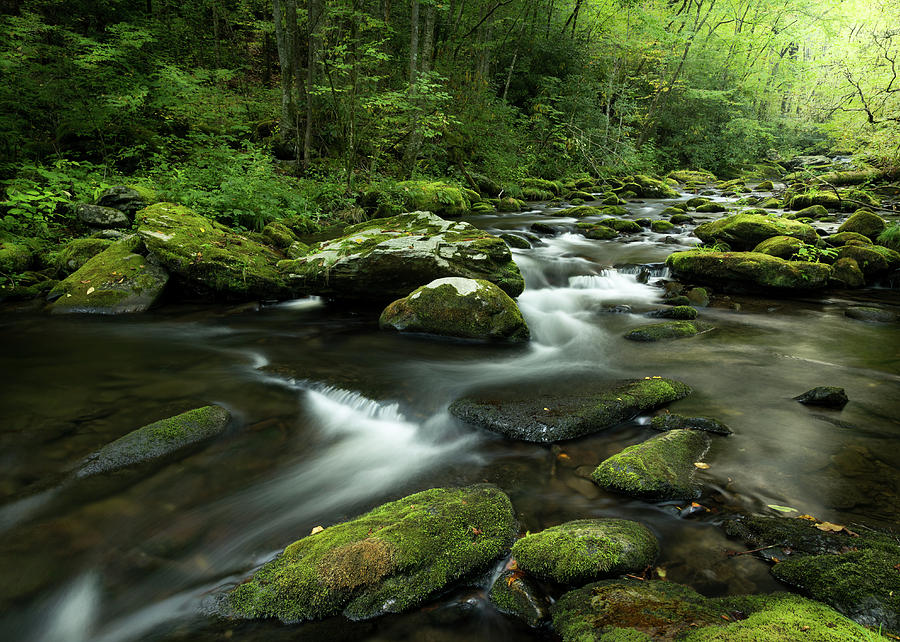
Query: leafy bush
x=890 y=237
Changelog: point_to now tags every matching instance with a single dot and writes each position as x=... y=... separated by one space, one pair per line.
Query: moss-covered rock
x=765 y=186
x=855 y=198
x=445 y=200
x=813 y=212
x=784 y=247
x=509 y=204
x=853 y=573
x=621 y=225
x=516 y=241
x=747 y=230
x=597 y=231
x=586 y=550
x=580 y=211
x=679 y=219
x=672 y=210
x=457 y=307
x=128 y=199
x=514 y=593
x=864 y=222
x=692 y=176
x=635 y=611
x=661 y=227
x=842 y=238
x=386 y=259
x=673 y=421
x=14 y=257
x=828 y=200
x=483 y=208
x=748 y=268
x=711 y=208
x=667 y=330
x=653 y=188
x=770 y=204
x=581 y=195
x=696 y=202
x=159 y=441
x=532 y=194
x=208 y=257
x=539 y=183
x=389 y=560
x=279 y=235
x=845 y=273
x=613 y=210
x=520 y=415
x=76 y=253
x=115 y=281
x=660 y=468
x=871 y=259
x=678 y=312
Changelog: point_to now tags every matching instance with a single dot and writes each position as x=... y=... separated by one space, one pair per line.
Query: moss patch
x=748 y=268
x=747 y=230
x=864 y=222
x=386 y=561
x=667 y=330
x=515 y=594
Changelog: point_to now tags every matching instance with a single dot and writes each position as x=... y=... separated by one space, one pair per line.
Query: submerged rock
x=635 y=611
x=115 y=281
x=386 y=259
x=680 y=312
x=457 y=307
x=585 y=550
x=749 y=268
x=667 y=330
x=745 y=231
x=157 y=441
x=208 y=257
x=854 y=572
x=515 y=594
x=871 y=314
x=546 y=420
x=389 y=560
x=828 y=396
x=660 y=468
x=672 y=421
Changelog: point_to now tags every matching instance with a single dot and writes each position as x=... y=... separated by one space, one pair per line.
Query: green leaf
x=781 y=509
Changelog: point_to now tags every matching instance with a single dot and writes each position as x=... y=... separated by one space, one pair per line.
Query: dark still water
x=333 y=417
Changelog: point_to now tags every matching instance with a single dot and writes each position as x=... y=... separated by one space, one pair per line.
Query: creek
x=333 y=417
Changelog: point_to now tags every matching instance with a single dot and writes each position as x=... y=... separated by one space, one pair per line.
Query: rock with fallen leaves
x=586 y=550
x=117 y=280
x=654 y=610
x=533 y=415
x=852 y=570
x=389 y=560
x=514 y=593
x=387 y=258
x=663 y=467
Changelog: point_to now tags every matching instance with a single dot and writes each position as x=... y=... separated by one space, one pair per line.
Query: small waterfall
x=74 y=612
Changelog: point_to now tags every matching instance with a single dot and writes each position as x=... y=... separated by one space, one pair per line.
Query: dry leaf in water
x=701 y=465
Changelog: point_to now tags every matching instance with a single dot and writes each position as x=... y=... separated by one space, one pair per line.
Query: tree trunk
x=315 y=18
x=285 y=11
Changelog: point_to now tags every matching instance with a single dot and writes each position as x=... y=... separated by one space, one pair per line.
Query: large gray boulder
x=388 y=258
x=457 y=307
x=99 y=216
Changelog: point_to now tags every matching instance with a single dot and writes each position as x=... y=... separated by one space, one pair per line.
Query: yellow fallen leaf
x=317 y=529
x=809 y=517
x=701 y=465
x=828 y=527
x=90 y=289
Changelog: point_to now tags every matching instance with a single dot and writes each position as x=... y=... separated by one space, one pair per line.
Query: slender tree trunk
x=284 y=12
x=315 y=17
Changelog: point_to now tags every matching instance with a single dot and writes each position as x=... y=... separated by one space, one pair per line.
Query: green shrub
x=890 y=237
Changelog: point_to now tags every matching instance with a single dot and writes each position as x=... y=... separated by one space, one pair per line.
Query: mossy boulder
x=532 y=194
x=579 y=195
x=660 y=468
x=864 y=222
x=516 y=241
x=871 y=259
x=653 y=188
x=678 y=312
x=661 y=227
x=845 y=272
x=711 y=208
x=813 y=212
x=828 y=200
x=749 y=269
x=517 y=414
x=157 y=442
x=76 y=253
x=696 y=202
x=842 y=238
x=635 y=611
x=209 y=258
x=448 y=201
x=14 y=257
x=597 y=231
x=458 y=307
x=128 y=199
x=770 y=204
x=483 y=208
x=784 y=247
x=514 y=593
x=673 y=209
x=854 y=573
x=586 y=550
x=747 y=230
x=855 y=198
x=580 y=211
x=389 y=560
x=673 y=421
x=386 y=259
x=679 y=219
x=621 y=225
x=765 y=186
x=115 y=281
x=667 y=330
x=509 y=204
x=692 y=176
x=279 y=235
x=539 y=183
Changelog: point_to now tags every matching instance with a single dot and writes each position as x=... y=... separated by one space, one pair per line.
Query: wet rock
x=456 y=307
x=516 y=241
x=711 y=208
x=845 y=272
x=828 y=200
x=115 y=281
x=745 y=231
x=385 y=259
x=813 y=212
x=855 y=573
x=863 y=222
x=679 y=219
x=581 y=211
x=585 y=550
x=98 y=216
x=749 y=268
x=619 y=309
x=209 y=258
x=543 y=228
x=648 y=187
x=661 y=227
x=828 y=396
x=515 y=594
x=698 y=297
x=660 y=468
x=870 y=314
x=679 y=301
x=691 y=176
x=126 y=199
x=621 y=225
x=634 y=611
x=696 y=202
x=546 y=420
x=387 y=561
x=597 y=231
x=667 y=330
x=672 y=421
x=680 y=312
x=807 y=161
x=158 y=441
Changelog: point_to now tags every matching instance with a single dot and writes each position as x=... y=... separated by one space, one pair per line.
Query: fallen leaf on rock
x=701 y=465
x=90 y=289
x=828 y=527
x=809 y=517
x=317 y=529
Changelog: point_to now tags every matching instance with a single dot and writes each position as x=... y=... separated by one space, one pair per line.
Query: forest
x=450 y=320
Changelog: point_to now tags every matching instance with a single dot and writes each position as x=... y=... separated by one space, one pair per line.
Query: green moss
x=533 y=194
x=585 y=550
x=14 y=257
x=661 y=227
x=431 y=196
x=784 y=247
x=660 y=468
x=78 y=252
x=765 y=186
x=750 y=268
x=388 y=560
x=690 y=176
x=864 y=222
x=678 y=219
x=515 y=594
x=747 y=229
x=579 y=194
x=667 y=330
x=710 y=208
x=869 y=260
x=770 y=204
x=842 y=238
x=652 y=188
x=279 y=235
x=621 y=225
x=597 y=231
x=539 y=183
x=890 y=237
x=696 y=202
x=679 y=312
x=581 y=211
x=829 y=200
x=509 y=204
x=613 y=210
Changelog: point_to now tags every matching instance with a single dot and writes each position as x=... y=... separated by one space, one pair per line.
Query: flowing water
x=333 y=417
